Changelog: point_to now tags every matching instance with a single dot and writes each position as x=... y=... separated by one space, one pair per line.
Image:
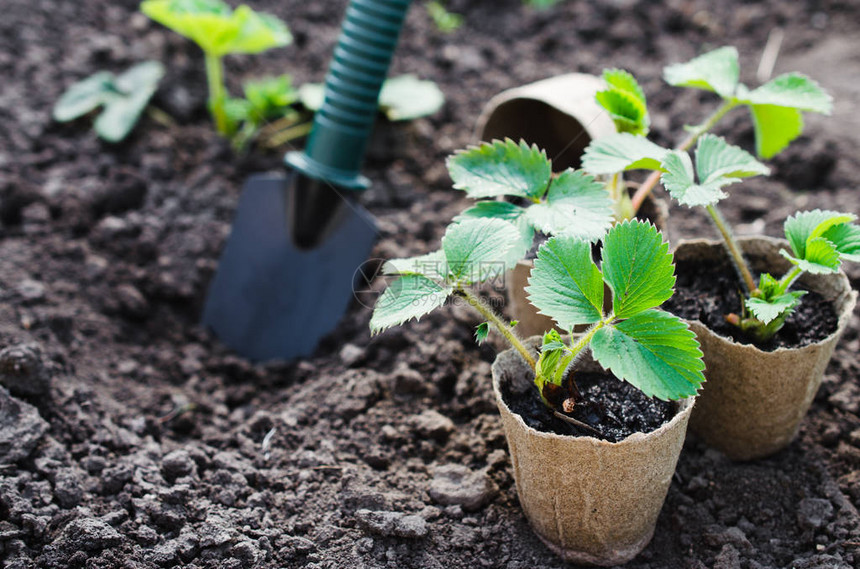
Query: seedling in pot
x=219 y=30
x=776 y=108
x=819 y=240
x=570 y=203
x=649 y=348
x=122 y=98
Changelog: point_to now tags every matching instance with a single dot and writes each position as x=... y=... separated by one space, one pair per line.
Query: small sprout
x=266 y=100
x=625 y=102
x=445 y=21
x=123 y=99
x=481 y=332
x=219 y=31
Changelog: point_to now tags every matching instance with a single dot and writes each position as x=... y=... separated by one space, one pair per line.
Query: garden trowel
x=287 y=271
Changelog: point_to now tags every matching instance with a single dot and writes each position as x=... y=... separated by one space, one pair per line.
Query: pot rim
x=844 y=316
x=683 y=407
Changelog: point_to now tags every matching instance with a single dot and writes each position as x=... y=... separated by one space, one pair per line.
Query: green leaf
x=622 y=151
x=84 y=96
x=576 y=205
x=481 y=332
x=565 y=284
x=769 y=310
x=717 y=71
x=406 y=98
x=792 y=90
x=820 y=257
x=653 y=351
x=551 y=351
x=216 y=28
x=445 y=21
x=410 y=296
x=775 y=128
x=715 y=158
x=807 y=225
x=637 y=266
x=511 y=213
x=477 y=249
x=501 y=168
x=846 y=238
x=718 y=164
x=624 y=100
x=312 y=95
x=120 y=115
x=431 y=265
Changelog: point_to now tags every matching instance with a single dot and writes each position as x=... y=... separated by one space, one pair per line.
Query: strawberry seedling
x=219 y=30
x=122 y=98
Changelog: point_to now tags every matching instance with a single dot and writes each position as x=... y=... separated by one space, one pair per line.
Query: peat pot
x=753 y=401
x=590 y=501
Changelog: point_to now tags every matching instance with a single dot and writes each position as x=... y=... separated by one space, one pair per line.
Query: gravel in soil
x=708 y=292
x=138 y=441
x=614 y=408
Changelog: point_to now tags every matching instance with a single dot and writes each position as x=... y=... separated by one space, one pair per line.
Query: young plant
x=819 y=240
x=122 y=97
x=445 y=21
x=776 y=108
x=266 y=100
x=219 y=31
x=571 y=203
x=651 y=349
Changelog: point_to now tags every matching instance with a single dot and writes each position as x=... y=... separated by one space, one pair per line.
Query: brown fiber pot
x=589 y=501
x=753 y=401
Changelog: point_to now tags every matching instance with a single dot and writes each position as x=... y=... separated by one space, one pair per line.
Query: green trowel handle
x=338 y=142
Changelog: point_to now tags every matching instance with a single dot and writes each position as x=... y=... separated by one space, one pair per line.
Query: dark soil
x=613 y=407
x=708 y=292
x=134 y=439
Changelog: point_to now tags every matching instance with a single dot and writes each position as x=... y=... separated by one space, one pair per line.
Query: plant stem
x=505 y=330
x=733 y=248
x=577 y=348
x=649 y=183
x=788 y=279
x=217 y=93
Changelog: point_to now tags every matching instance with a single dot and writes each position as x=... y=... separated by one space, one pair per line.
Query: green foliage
x=473 y=250
x=265 y=100
x=573 y=203
x=542 y=4
x=717 y=71
x=481 y=332
x=501 y=168
x=407 y=98
x=620 y=152
x=820 y=240
x=401 y=98
x=218 y=29
x=649 y=348
x=776 y=107
x=445 y=21
x=122 y=98
x=718 y=164
x=625 y=102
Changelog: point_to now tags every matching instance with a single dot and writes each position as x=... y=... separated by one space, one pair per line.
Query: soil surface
x=134 y=439
x=708 y=292
x=611 y=407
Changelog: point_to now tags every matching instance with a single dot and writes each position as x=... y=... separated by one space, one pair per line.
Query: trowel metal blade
x=271 y=299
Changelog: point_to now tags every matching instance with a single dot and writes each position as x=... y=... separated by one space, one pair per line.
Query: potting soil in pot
x=613 y=407
x=708 y=292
